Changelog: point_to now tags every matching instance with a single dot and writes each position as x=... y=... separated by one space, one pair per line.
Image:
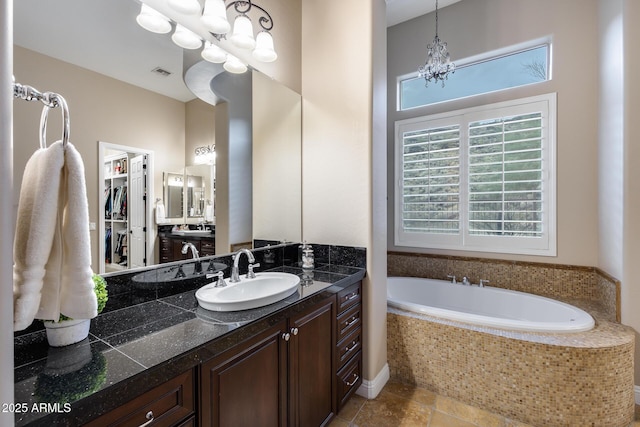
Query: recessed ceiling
x=104 y=37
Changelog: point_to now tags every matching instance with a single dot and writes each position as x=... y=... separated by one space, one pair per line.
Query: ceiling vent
x=161 y=71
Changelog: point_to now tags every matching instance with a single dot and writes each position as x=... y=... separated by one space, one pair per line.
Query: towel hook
x=52 y=100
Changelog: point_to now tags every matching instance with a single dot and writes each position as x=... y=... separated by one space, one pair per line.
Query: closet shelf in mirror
x=116 y=204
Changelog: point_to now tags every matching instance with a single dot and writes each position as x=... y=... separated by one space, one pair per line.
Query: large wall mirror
x=102 y=39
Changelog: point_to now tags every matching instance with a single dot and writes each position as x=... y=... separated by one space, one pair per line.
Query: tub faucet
x=194 y=253
x=465 y=281
x=235 y=274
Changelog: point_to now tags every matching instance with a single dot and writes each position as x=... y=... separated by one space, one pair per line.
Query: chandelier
x=438 y=64
x=189 y=15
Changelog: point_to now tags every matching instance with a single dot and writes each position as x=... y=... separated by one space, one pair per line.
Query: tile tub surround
x=146 y=336
x=562 y=282
x=578 y=379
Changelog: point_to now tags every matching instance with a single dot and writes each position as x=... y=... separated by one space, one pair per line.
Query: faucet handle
x=483 y=282
x=220 y=283
x=453 y=278
x=250 y=273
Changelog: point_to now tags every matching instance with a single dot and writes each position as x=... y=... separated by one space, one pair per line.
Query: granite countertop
x=147 y=335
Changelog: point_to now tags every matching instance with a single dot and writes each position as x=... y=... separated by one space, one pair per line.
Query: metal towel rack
x=50 y=100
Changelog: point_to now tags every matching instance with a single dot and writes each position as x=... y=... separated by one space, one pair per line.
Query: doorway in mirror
x=124 y=240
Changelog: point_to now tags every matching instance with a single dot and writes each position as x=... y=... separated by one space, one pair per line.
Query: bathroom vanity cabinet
x=283 y=376
x=349 y=342
x=171 y=247
x=294 y=363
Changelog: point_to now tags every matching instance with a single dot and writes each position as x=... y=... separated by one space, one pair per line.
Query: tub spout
x=465 y=281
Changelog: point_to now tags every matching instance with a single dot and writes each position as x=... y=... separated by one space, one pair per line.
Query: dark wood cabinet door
x=247 y=386
x=311 y=365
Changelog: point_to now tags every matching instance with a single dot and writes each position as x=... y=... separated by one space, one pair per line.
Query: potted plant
x=68 y=331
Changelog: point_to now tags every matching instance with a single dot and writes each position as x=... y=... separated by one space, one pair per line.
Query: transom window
x=473 y=77
x=479 y=179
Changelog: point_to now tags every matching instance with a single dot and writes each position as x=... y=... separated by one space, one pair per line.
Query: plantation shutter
x=431 y=180
x=505 y=176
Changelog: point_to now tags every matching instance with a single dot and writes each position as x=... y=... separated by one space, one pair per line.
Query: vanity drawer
x=207 y=247
x=349 y=321
x=168 y=404
x=349 y=346
x=165 y=244
x=349 y=297
x=349 y=378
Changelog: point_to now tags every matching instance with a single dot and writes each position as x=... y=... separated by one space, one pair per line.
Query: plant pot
x=67 y=332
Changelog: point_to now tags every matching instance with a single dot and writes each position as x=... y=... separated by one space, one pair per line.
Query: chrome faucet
x=194 y=253
x=235 y=274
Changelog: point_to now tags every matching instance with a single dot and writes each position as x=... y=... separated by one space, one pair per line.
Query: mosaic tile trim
x=575 y=379
x=551 y=280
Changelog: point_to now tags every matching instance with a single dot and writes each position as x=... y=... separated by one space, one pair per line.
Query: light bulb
x=233 y=65
x=214 y=17
x=187 y=7
x=243 y=33
x=185 y=38
x=264 y=47
x=152 y=20
x=213 y=53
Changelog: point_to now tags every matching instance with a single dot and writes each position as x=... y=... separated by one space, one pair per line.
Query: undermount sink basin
x=191 y=232
x=265 y=289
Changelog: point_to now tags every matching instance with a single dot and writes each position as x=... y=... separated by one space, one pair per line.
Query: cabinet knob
x=286 y=336
x=150 y=417
x=294 y=331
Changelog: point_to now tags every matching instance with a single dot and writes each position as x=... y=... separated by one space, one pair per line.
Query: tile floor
x=400 y=405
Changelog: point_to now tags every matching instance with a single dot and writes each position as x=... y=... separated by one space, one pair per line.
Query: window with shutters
x=479 y=179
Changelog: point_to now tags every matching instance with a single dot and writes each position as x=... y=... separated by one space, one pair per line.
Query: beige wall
x=478 y=26
x=337 y=81
x=101 y=109
x=631 y=190
x=276 y=165
x=200 y=120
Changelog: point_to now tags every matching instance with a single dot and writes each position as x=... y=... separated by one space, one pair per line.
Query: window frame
x=543 y=246
x=477 y=59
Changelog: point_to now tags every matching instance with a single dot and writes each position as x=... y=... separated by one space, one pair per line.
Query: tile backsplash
x=550 y=280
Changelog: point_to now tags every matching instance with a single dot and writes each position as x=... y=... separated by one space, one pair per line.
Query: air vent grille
x=161 y=71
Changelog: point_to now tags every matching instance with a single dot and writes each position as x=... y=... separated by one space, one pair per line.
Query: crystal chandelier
x=438 y=64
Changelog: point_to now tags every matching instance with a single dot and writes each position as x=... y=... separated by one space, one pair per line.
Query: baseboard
x=636 y=389
x=371 y=389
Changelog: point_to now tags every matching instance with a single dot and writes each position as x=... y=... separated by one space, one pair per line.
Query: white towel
x=208 y=213
x=52 y=252
x=160 y=215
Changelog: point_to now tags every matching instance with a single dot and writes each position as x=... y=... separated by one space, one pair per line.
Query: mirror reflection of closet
x=125 y=211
